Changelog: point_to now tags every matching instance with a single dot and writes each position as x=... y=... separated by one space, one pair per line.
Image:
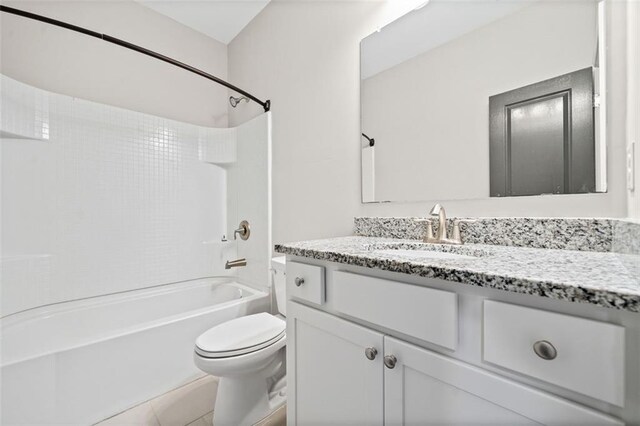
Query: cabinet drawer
x=421 y=312
x=582 y=355
x=305 y=282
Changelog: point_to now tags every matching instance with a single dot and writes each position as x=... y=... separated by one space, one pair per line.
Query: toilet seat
x=226 y=354
x=241 y=336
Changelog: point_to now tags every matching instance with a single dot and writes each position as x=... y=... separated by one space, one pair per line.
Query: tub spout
x=235 y=263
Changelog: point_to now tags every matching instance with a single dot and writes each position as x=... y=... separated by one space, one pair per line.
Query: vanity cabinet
x=353 y=360
x=347 y=374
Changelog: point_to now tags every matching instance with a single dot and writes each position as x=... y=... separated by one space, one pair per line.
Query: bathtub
x=82 y=361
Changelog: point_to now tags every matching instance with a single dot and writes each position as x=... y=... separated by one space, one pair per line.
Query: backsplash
x=626 y=237
x=585 y=234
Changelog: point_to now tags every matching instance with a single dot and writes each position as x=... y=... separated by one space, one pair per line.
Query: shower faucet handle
x=244 y=231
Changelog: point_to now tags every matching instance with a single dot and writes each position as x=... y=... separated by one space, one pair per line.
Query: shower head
x=235 y=101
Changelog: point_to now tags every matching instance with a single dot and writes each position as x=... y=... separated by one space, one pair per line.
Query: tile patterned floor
x=189 y=405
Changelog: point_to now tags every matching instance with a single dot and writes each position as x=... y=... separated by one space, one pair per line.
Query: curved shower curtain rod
x=266 y=104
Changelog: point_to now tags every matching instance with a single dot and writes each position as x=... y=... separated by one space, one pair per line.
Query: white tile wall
x=98 y=199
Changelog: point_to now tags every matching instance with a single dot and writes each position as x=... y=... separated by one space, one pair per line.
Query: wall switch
x=631 y=166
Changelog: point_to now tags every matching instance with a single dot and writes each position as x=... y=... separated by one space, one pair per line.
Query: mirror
x=476 y=99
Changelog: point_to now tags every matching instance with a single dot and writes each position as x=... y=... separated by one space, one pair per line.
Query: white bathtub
x=82 y=361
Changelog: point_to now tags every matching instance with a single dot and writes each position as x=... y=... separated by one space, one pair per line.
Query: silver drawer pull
x=299 y=281
x=545 y=350
x=390 y=361
x=371 y=353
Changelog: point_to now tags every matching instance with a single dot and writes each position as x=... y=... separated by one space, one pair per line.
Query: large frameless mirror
x=476 y=99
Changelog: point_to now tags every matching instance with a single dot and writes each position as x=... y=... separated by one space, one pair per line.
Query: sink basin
x=427 y=252
x=424 y=254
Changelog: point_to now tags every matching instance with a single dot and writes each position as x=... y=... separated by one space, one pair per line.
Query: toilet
x=248 y=355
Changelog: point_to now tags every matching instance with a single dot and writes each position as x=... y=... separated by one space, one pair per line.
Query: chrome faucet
x=438 y=210
x=441 y=237
x=235 y=263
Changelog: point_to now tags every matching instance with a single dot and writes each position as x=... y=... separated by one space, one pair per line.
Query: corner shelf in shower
x=217 y=146
x=10 y=135
x=225 y=243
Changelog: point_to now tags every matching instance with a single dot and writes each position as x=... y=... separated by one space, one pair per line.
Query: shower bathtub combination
x=82 y=361
x=120 y=202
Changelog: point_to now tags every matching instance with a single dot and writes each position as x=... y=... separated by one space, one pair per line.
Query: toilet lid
x=240 y=336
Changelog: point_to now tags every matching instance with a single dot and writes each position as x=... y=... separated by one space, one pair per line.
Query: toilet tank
x=279 y=282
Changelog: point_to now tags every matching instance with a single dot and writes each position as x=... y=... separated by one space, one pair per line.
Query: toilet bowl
x=248 y=356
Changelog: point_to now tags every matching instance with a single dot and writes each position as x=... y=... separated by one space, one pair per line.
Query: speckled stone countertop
x=604 y=279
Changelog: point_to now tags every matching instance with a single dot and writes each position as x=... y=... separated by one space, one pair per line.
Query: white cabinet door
x=332 y=380
x=427 y=388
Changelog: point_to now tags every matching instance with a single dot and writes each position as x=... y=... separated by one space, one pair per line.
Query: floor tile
x=199 y=422
x=277 y=418
x=141 y=415
x=186 y=404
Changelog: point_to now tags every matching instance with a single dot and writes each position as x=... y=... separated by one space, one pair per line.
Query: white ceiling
x=433 y=25
x=219 y=19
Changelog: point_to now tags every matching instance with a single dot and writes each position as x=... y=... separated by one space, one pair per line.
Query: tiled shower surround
x=98 y=199
x=585 y=234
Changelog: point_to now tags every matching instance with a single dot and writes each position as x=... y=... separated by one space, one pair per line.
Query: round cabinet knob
x=371 y=353
x=299 y=281
x=545 y=350
x=390 y=361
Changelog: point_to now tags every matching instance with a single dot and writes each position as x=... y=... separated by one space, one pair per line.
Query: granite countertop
x=611 y=280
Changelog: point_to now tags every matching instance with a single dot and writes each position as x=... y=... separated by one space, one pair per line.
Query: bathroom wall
x=633 y=104
x=66 y=62
x=305 y=57
x=98 y=199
